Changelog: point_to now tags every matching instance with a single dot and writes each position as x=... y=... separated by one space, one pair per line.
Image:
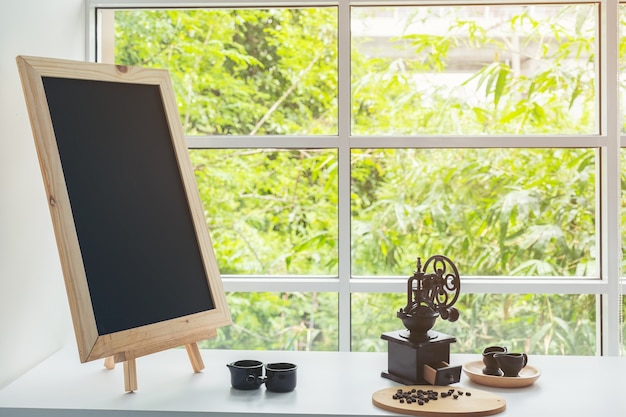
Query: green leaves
x=524 y=71
x=549 y=324
x=493 y=78
x=270 y=211
x=240 y=72
x=495 y=211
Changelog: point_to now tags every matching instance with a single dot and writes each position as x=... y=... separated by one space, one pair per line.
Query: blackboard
x=131 y=214
x=137 y=259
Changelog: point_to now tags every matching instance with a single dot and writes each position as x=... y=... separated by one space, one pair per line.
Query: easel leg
x=109 y=362
x=194 y=356
x=130 y=375
x=130 y=366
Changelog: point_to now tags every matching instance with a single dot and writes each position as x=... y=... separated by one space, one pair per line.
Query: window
x=334 y=143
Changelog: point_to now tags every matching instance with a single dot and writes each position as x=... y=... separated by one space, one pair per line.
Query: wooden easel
x=189 y=303
x=130 y=366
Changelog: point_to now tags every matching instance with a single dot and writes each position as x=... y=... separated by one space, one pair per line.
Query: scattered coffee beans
x=422 y=397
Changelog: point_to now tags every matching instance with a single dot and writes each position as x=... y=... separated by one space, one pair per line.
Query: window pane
x=279 y=321
x=270 y=212
x=524 y=212
x=240 y=72
x=499 y=69
x=534 y=323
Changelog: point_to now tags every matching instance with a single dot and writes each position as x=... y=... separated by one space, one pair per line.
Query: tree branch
x=286 y=94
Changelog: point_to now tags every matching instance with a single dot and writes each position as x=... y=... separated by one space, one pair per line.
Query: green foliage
x=495 y=211
x=531 y=323
x=279 y=321
x=554 y=92
x=240 y=71
x=271 y=212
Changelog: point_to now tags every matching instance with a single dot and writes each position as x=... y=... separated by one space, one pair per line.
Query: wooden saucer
x=477 y=403
x=527 y=376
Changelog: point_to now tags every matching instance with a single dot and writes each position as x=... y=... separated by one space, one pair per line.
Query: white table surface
x=329 y=383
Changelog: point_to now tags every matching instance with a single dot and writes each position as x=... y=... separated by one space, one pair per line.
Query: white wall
x=34 y=313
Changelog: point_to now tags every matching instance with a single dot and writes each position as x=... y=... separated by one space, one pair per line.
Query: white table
x=329 y=383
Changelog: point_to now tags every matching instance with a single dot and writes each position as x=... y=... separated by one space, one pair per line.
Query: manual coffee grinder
x=419 y=355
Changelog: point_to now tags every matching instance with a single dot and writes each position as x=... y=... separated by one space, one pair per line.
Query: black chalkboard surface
x=131 y=214
x=137 y=259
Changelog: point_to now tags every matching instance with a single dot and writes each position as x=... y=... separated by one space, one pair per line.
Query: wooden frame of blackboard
x=39 y=76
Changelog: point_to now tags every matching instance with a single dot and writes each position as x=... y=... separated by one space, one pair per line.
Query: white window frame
x=608 y=285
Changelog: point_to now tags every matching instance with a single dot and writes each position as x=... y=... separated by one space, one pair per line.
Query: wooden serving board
x=469 y=402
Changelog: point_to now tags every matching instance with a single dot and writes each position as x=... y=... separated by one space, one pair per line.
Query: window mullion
x=610 y=199
x=344 y=176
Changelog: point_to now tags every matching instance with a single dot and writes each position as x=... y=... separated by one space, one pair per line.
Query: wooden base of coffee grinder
x=413 y=362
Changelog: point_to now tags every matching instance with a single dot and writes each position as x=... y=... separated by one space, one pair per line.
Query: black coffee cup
x=246 y=374
x=511 y=363
x=280 y=377
x=491 y=364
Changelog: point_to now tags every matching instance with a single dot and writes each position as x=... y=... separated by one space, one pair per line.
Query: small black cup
x=511 y=363
x=246 y=374
x=491 y=364
x=280 y=377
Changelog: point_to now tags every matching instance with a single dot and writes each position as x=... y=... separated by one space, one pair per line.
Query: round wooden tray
x=477 y=403
x=527 y=376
